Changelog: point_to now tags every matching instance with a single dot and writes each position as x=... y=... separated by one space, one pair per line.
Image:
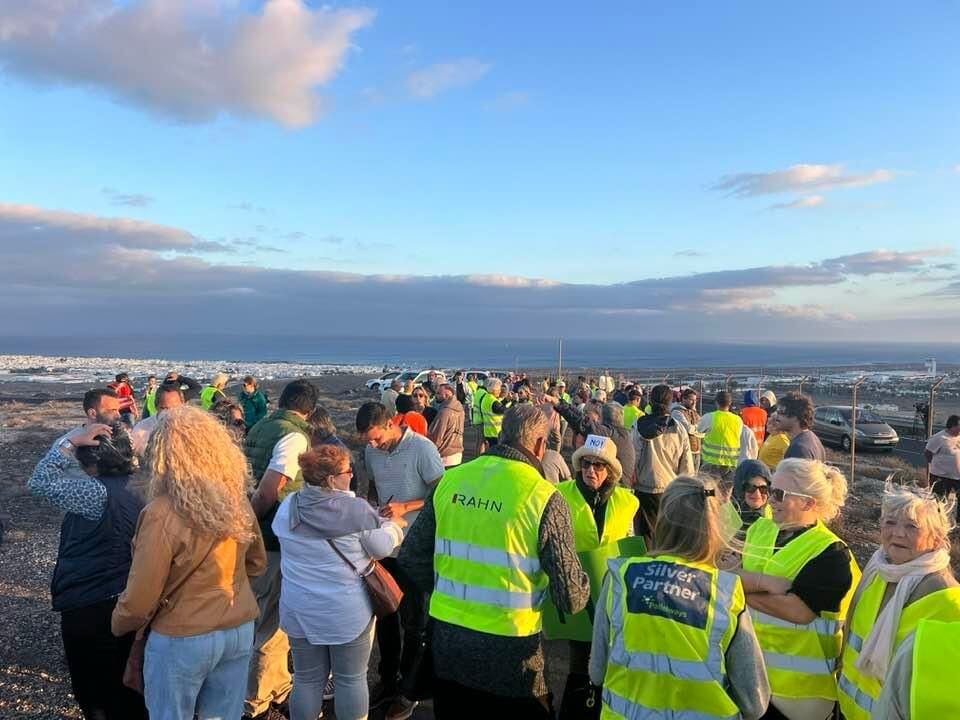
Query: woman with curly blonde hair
x=196 y=543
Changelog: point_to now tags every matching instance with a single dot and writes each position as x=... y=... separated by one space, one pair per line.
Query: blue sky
x=639 y=142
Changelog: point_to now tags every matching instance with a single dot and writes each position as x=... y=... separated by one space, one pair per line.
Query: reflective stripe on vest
x=800 y=659
x=936 y=650
x=858 y=691
x=486 y=565
x=721 y=445
x=491 y=422
x=659 y=666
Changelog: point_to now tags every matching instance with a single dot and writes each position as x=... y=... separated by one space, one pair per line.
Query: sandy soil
x=33 y=679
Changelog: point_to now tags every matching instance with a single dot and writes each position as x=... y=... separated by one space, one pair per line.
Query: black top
x=824 y=580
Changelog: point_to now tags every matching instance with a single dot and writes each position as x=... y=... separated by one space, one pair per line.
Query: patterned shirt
x=59 y=478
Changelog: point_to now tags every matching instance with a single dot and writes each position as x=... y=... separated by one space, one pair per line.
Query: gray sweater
x=747 y=683
x=506 y=666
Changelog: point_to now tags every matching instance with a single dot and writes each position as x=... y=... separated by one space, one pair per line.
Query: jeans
x=203 y=674
x=96 y=660
x=399 y=651
x=269 y=678
x=311 y=667
x=941 y=488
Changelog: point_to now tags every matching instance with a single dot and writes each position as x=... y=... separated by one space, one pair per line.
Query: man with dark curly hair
x=796 y=416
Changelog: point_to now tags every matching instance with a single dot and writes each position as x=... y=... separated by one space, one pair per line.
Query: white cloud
x=798 y=178
x=188 y=60
x=807 y=201
x=430 y=81
x=127 y=199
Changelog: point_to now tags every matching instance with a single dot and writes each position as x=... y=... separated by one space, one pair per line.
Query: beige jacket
x=194 y=582
x=446 y=430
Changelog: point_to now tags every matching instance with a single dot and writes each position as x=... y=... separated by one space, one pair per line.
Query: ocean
x=483 y=353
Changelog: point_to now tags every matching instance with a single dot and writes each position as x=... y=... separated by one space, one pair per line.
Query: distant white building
x=931 y=367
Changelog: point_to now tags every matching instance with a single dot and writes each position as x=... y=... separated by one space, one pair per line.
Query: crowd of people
x=690 y=561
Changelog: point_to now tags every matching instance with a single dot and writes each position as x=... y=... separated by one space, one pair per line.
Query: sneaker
x=401 y=708
x=382 y=694
x=328 y=689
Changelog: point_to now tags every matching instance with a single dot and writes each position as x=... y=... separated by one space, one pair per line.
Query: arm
x=267 y=493
x=748 y=445
x=601 y=635
x=60 y=479
x=256 y=557
x=416 y=552
x=569 y=584
x=192 y=390
x=685 y=466
x=746 y=671
x=928 y=456
x=284 y=466
x=894 y=700
x=381 y=542
x=152 y=558
x=706 y=422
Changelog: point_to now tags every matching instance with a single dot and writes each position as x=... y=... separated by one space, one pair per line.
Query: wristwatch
x=66 y=444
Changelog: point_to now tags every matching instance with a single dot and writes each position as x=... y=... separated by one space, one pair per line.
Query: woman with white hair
x=908 y=579
x=799 y=579
x=213 y=393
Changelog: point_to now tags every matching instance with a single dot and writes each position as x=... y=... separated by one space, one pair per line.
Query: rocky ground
x=33 y=679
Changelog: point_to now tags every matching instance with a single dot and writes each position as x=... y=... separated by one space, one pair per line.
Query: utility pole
x=853 y=431
x=559 y=359
x=933 y=391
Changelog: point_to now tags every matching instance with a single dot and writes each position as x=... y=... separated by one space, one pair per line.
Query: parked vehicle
x=833 y=424
x=420 y=376
x=382 y=382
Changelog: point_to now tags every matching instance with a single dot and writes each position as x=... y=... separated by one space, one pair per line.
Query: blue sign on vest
x=676 y=592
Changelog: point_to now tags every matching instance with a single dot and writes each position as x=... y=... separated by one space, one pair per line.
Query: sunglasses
x=779 y=494
x=762 y=489
x=595 y=464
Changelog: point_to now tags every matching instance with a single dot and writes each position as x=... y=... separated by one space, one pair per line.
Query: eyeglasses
x=595 y=464
x=348 y=471
x=762 y=489
x=779 y=494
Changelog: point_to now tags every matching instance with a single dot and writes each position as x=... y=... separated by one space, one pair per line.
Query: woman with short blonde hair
x=907 y=579
x=799 y=579
x=671 y=636
x=197 y=541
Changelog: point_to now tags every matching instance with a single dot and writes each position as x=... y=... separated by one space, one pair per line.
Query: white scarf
x=878 y=645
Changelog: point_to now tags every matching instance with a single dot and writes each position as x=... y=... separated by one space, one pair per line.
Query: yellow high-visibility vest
x=594 y=551
x=801 y=659
x=207 y=395
x=721 y=445
x=487 y=568
x=491 y=422
x=859 y=691
x=671 y=622
x=936 y=649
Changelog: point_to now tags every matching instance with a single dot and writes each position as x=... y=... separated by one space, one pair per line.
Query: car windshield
x=864 y=416
x=407 y=376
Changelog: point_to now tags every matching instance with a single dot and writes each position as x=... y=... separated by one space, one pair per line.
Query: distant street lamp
x=853 y=431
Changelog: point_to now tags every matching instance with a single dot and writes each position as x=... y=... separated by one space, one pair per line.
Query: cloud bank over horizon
x=61 y=270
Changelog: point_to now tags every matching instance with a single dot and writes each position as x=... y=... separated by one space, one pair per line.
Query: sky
x=717 y=171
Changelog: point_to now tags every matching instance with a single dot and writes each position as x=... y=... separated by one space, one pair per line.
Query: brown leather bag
x=384 y=593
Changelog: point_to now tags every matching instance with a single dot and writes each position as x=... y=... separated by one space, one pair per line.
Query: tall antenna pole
x=559 y=358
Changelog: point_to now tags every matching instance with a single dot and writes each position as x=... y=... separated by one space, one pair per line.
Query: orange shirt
x=755 y=418
x=413 y=420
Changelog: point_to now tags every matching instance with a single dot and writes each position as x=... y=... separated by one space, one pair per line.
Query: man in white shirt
x=942 y=454
x=388 y=398
x=273 y=448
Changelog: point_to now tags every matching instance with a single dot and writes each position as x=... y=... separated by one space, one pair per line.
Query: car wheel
x=375 y=387
x=845 y=442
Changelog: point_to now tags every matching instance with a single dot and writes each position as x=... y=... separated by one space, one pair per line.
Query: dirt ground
x=33 y=678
